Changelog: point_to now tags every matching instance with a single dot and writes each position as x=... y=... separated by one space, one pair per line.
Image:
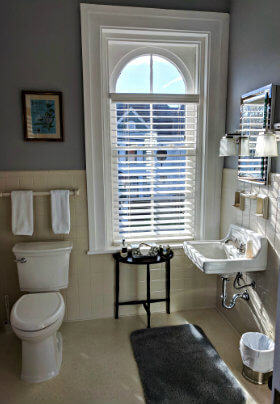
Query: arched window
x=153 y=185
x=152 y=173
x=151 y=74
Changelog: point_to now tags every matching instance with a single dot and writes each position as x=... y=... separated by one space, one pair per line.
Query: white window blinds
x=153 y=161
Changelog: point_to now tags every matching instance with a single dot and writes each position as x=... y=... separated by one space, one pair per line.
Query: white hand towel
x=22 y=212
x=60 y=211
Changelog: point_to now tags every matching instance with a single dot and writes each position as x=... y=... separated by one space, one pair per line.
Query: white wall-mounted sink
x=224 y=257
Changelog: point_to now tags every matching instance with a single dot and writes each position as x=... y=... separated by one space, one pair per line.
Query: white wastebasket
x=257 y=353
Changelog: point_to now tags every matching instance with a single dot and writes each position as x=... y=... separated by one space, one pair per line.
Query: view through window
x=153 y=148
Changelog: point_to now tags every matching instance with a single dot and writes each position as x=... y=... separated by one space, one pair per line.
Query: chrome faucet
x=241 y=247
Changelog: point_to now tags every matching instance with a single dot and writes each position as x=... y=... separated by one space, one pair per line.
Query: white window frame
x=211 y=32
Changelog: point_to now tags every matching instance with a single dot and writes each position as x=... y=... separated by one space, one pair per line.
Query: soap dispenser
x=249 y=249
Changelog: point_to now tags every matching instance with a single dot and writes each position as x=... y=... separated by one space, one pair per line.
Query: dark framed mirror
x=257 y=112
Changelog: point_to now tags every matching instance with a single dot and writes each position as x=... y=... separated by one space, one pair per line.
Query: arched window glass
x=151 y=74
x=166 y=77
x=135 y=76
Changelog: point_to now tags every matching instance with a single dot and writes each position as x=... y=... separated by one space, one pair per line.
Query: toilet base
x=41 y=360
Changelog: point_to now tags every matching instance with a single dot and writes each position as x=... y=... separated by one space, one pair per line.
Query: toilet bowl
x=35 y=319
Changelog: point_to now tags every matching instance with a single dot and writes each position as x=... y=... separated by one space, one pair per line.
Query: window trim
x=211 y=31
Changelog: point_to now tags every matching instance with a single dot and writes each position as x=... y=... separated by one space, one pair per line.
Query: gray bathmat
x=179 y=365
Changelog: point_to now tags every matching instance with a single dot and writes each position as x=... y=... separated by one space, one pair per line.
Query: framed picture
x=42 y=115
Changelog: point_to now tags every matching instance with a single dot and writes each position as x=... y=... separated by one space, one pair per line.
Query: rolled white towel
x=60 y=208
x=22 y=212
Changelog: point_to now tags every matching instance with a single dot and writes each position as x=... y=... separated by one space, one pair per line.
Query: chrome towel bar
x=73 y=192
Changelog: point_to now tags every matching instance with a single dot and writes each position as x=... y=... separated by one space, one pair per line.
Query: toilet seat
x=36 y=311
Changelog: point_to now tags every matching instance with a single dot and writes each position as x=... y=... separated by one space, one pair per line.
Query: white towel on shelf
x=60 y=211
x=22 y=212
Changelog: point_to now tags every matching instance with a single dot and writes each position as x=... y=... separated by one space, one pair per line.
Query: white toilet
x=43 y=269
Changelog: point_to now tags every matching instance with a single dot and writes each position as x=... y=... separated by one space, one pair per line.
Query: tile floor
x=98 y=365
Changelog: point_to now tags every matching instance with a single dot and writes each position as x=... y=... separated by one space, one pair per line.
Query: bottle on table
x=124 y=251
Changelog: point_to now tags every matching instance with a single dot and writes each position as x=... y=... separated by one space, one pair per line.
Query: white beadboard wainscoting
x=91 y=289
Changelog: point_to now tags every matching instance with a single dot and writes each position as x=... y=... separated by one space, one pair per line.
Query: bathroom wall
x=254 y=56
x=259 y=314
x=91 y=289
x=40 y=47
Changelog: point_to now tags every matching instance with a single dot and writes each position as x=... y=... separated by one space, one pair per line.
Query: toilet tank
x=43 y=266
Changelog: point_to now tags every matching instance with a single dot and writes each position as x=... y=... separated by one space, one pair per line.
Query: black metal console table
x=147 y=302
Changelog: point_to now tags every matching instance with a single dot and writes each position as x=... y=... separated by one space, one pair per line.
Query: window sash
x=153 y=170
x=148 y=97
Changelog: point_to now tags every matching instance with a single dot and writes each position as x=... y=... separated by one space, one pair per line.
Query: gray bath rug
x=179 y=365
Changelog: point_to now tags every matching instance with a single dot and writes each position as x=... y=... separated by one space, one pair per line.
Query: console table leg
x=167 y=270
x=117 y=289
x=148 y=297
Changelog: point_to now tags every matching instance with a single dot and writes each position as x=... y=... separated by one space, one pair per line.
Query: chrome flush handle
x=20 y=260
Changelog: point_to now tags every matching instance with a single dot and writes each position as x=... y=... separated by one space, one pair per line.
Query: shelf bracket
x=262 y=202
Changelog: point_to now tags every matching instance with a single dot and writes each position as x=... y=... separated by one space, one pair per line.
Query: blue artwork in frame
x=42 y=115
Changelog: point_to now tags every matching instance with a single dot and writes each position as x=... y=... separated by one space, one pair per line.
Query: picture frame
x=42 y=116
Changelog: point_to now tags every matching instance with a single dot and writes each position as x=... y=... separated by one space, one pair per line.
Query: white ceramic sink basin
x=223 y=257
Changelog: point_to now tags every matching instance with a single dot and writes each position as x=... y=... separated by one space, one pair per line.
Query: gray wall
x=254 y=56
x=40 y=49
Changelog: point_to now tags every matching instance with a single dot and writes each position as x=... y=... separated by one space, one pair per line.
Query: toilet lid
x=35 y=311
